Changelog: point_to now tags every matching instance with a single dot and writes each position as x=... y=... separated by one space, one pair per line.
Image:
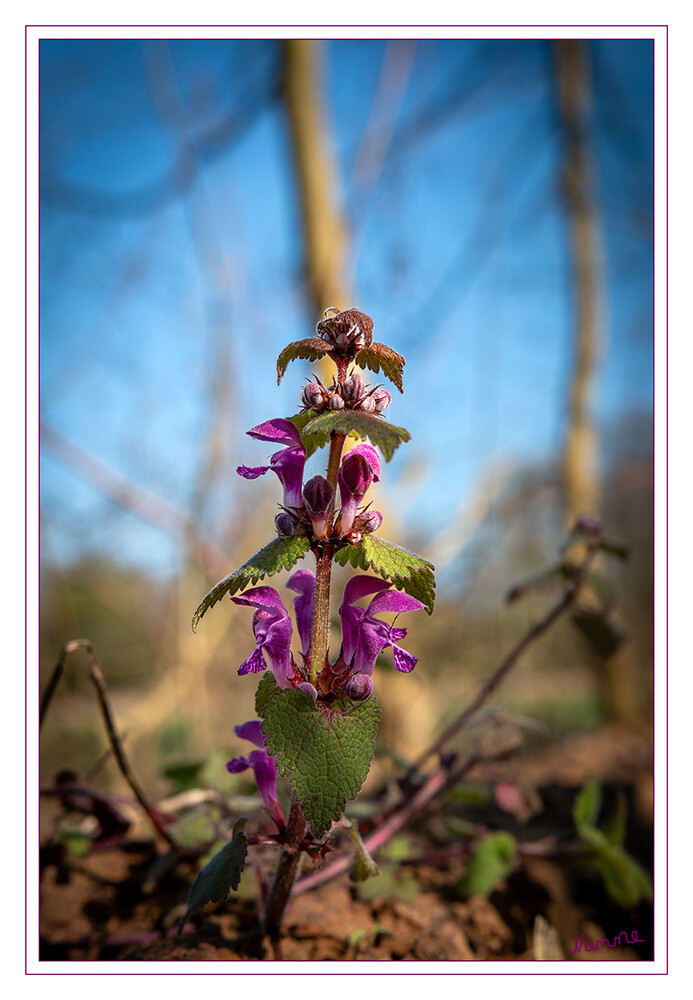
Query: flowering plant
x=318 y=715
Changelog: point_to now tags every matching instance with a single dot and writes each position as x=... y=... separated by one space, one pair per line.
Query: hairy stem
x=287 y=870
x=323 y=573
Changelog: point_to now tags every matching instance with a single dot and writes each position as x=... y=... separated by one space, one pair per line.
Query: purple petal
x=404 y=661
x=237 y=765
x=265 y=771
x=396 y=634
x=276 y=644
x=373 y=638
x=262 y=597
x=371 y=456
x=255 y=662
x=251 y=731
x=303 y=582
x=252 y=473
x=288 y=465
x=357 y=587
x=394 y=601
x=279 y=431
x=360 y=586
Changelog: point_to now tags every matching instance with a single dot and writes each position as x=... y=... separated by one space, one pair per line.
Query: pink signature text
x=605 y=943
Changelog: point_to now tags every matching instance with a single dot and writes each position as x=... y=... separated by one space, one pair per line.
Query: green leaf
x=221 y=874
x=310 y=350
x=324 y=751
x=357 y=423
x=624 y=879
x=493 y=859
x=380 y=357
x=282 y=553
x=615 y=827
x=405 y=569
x=587 y=804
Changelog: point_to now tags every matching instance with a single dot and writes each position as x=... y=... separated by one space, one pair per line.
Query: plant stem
x=323 y=574
x=287 y=870
x=321 y=620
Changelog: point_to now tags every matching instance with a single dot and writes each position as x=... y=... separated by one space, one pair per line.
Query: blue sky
x=459 y=252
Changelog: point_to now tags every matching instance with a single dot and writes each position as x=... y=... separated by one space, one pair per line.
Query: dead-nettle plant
x=318 y=714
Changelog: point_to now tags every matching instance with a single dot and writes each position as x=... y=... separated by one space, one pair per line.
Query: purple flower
x=363 y=635
x=264 y=767
x=359 y=468
x=287 y=463
x=272 y=629
x=303 y=582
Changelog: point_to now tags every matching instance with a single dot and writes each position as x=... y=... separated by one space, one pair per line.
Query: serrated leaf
x=309 y=349
x=359 y=424
x=493 y=859
x=404 y=569
x=324 y=751
x=587 y=804
x=380 y=357
x=281 y=553
x=221 y=874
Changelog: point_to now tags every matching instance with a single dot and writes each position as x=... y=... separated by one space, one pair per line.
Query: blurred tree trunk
x=323 y=224
x=580 y=457
x=580 y=461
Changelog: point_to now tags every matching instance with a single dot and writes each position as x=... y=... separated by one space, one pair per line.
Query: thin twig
x=99 y=683
x=508 y=663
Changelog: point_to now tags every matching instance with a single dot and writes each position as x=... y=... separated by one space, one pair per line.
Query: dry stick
x=116 y=745
x=508 y=663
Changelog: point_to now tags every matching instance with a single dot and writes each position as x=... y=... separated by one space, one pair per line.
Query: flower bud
x=371 y=521
x=336 y=402
x=352 y=388
x=308 y=689
x=286 y=524
x=368 y=404
x=359 y=468
x=349 y=331
x=382 y=399
x=359 y=687
x=318 y=496
x=312 y=395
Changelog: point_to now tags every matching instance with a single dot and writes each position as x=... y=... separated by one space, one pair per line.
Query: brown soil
x=122 y=902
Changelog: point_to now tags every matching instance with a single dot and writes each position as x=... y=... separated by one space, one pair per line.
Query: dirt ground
x=122 y=902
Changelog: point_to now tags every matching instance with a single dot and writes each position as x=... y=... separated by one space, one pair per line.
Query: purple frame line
x=666 y=215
